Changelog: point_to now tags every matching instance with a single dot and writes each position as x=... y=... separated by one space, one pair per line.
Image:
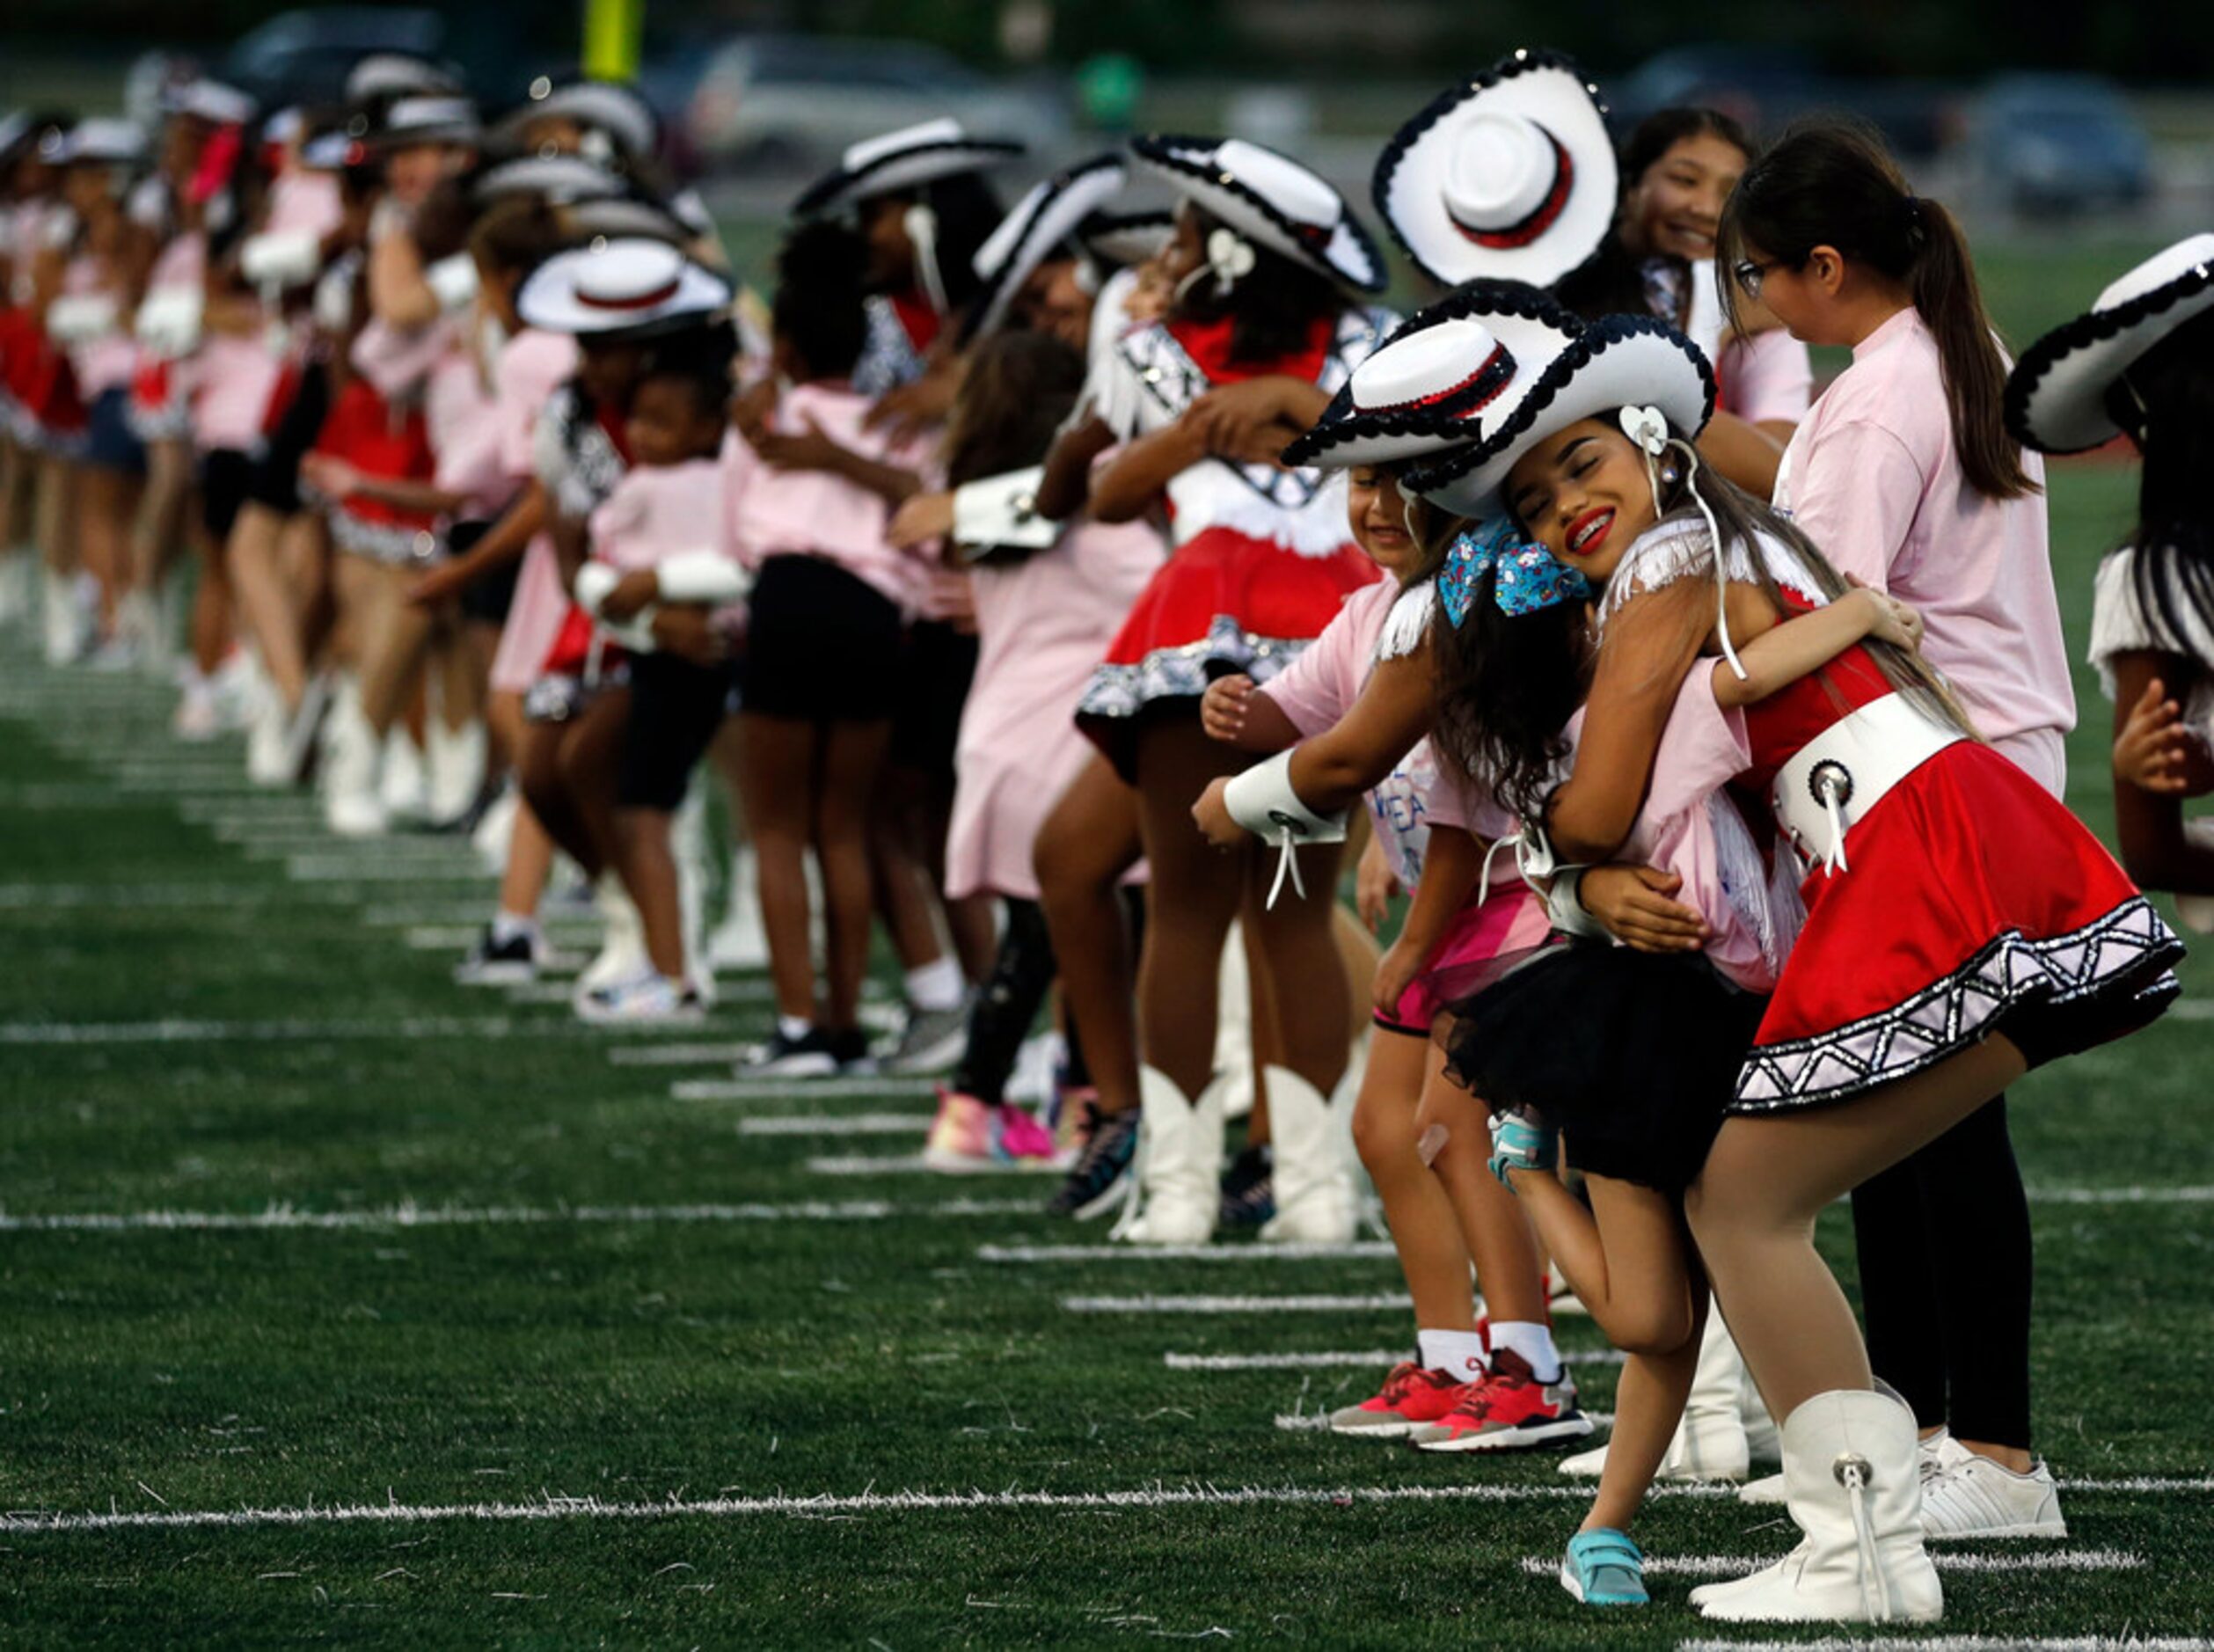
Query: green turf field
x=344 y=1304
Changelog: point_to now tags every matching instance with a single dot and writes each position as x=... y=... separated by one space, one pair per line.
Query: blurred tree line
x=2167 y=40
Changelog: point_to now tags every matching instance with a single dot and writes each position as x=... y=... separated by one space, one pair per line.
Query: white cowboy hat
x=1592 y=368
x=605 y=106
x=1438 y=383
x=209 y=100
x=433 y=118
x=1050 y=216
x=2056 y=396
x=102 y=141
x=900 y=161
x=560 y=178
x=386 y=74
x=1271 y=198
x=1510 y=174
x=629 y=217
x=618 y=286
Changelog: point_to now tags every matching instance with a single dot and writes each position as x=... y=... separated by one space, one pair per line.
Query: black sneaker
x=500 y=964
x=809 y=1055
x=851 y=1048
x=1100 y=1177
x=1249 y=1191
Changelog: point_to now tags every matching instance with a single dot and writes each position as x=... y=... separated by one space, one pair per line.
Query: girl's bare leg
x=1424 y=1229
x=1754 y=1207
x=1454 y=1133
x=1087 y=844
x=780 y=758
x=853 y=757
x=267 y=600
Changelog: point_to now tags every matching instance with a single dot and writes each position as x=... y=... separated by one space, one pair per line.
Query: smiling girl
x=1934 y=967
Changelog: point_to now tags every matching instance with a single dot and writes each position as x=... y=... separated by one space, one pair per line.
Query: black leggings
x=1945 y=1280
x=1008 y=1002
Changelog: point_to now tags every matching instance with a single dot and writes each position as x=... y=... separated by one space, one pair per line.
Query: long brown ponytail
x=1831 y=183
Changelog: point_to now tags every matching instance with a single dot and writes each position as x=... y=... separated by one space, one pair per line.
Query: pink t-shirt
x=1768 y=376
x=657 y=512
x=1318 y=689
x=397 y=360
x=1042 y=624
x=770 y=513
x=1872 y=477
x=230 y=392
x=304 y=201
x=106 y=362
x=532 y=365
x=459 y=417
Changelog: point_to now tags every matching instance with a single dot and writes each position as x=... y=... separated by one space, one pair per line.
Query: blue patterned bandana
x=1527 y=577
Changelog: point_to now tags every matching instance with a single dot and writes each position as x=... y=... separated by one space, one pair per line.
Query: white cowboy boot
x=1725 y=1427
x=353 y=763
x=403 y=785
x=1853 y=1472
x=1234 y=1065
x=1178 y=1166
x=1311 y=1141
x=68 y=631
x=455 y=760
x=688 y=846
x=622 y=953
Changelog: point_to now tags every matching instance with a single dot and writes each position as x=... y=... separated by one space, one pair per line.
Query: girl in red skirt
x=1260 y=334
x=1962 y=925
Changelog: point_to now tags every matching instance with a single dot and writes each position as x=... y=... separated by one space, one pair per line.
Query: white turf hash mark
x=747 y=1089
x=1375 y=1301
x=1947 y=1559
x=403 y=1028
x=856 y=1124
x=23 y=1523
x=1335 y=1359
x=285 y=1218
x=1961 y=1643
x=1361 y=1250
x=904 y=1164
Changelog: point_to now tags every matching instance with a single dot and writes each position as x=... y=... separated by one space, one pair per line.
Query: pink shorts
x=1509 y=919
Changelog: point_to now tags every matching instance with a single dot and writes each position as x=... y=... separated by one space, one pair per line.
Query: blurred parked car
x=2058 y=144
x=304 y=56
x=1767 y=87
x=789 y=100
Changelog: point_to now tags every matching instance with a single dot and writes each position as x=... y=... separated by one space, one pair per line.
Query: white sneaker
x=646 y=1000
x=1972 y=1496
x=198 y=718
x=622 y=954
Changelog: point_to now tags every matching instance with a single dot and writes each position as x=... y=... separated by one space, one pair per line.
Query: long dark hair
x=2165 y=403
x=820 y=309
x=1664 y=129
x=1506 y=685
x=1272 y=312
x=1018 y=388
x=1831 y=183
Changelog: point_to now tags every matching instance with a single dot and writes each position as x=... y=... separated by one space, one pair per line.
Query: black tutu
x=1633 y=1055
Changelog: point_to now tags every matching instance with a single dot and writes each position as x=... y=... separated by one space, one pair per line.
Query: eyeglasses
x=1749 y=275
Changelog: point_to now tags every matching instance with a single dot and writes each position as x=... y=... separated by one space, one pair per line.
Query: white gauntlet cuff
x=1263 y=801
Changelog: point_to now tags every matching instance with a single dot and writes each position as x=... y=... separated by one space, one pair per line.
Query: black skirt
x=1633 y=1055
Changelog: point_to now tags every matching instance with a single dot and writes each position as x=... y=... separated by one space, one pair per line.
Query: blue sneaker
x=1603 y=1568
x=1520 y=1141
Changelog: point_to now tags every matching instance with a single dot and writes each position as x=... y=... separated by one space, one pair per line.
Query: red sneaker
x=1412 y=1397
x=1508 y=1411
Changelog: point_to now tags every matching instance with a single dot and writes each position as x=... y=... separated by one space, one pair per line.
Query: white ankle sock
x=1459 y=1354
x=507 y=926
x=937 y=985
x=794 y=1026
x=1533 y=1342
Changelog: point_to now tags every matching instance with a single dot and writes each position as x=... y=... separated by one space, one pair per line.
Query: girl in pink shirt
x=807 y=495
x=1907 y=479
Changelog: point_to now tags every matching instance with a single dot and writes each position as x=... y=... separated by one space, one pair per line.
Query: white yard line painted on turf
x=1361 y=1250
x=285 y=1218
x=1958 y=1643
x=910 y=1164
x=558 y=985
x=402 y=1027
x=851 y=1124
x=351 y=869
x=1339 y=1359
x=747 y=1089
x=681 y=1055
x=21 y=1524
x=459 y=937
x=56 y=894
x=2193 y=1010
x=2121 y=1196
x=1374 y=1302
x=1948 y=1560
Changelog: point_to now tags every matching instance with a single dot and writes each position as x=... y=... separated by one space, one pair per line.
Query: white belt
x=1843 y=772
